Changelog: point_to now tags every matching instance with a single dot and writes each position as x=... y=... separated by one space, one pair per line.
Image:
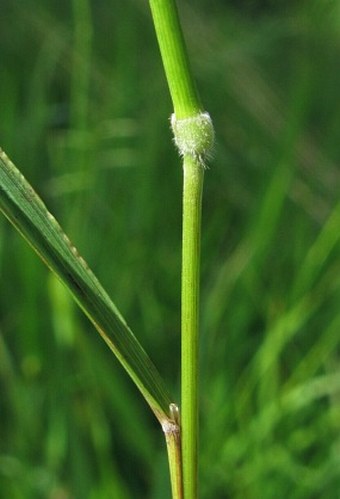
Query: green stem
x=192 y=196
x=194 y=135
x=175 y=59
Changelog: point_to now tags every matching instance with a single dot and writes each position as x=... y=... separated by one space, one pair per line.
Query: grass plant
x=72 y=423
x=193 y=134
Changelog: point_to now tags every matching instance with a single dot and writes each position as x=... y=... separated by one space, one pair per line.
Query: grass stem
x=193 y=134
x=175 y=59
x=192 y=195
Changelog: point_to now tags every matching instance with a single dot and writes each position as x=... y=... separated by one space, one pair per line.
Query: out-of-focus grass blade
x=26 y=211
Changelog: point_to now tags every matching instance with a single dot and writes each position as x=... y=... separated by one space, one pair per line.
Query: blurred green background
x=84 y=114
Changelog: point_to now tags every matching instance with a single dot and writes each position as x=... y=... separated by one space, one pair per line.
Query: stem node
x=193 y=136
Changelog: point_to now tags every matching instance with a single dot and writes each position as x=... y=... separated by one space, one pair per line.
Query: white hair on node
x=193 y=136
x=170 y=428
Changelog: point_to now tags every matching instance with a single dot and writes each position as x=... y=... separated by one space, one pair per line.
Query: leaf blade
x=27 y=212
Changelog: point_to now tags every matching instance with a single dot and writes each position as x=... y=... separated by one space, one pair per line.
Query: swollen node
x=194 y=136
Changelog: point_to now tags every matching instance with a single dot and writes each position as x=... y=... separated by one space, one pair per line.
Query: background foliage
x=84 y=109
